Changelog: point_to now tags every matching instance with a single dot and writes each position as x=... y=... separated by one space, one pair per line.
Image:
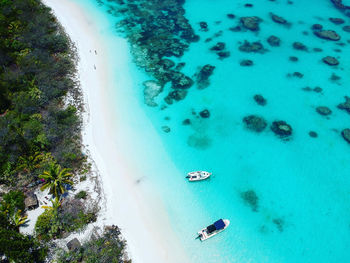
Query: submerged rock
x=166 y=129
x=151 y=91
x=204 y=26
x=279 y=222
x=328 y=35
x=323 y=110
x=255 y=47
x=251 y=22
x=316 y=27
x=281 y=128
x=260 y=99
x=167 y=63
x=204 y=113
x=346 y=105
x=246 y=63
x=180 y=81
x=293 y=59
x=223 y=54
x=313 y=134
x=176 y=95
x=346 y=135
x=219 y=46
x=251 y=199
x=346 y=28
x=186 y=122
x=299 y=46
x=203 y=76
x=332 y=61
x=278 y=19
x=337 y=21
x=255 y=123
x=231 y=16
x=199 y=141
x=274 y=41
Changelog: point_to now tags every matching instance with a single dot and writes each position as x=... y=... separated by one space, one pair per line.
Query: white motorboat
x=198 y=176
x=213 y=229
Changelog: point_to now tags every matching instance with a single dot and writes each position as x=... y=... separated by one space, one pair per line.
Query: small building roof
x=74 y=244
x=31 y=201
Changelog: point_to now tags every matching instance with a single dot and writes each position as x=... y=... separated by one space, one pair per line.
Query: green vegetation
x=17 y=247
x=55 y=179
x=39 y=133
x=38 y=71
x=81 y=195
x=108 y=248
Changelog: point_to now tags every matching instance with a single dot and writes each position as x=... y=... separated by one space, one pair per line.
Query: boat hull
x=204 y=235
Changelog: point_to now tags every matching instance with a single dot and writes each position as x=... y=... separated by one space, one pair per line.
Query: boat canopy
x=211 y=229
x=220 y=224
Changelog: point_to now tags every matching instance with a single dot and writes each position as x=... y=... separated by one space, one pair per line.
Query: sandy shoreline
x=142 y=219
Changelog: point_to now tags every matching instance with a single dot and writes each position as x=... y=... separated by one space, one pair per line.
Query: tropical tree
x=18 y=220
x=30 y=163
x=55 y=179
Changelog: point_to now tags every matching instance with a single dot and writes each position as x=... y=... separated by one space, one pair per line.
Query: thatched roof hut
x=31 y=201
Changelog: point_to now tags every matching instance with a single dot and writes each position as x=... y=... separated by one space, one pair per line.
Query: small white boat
x=213 y=229
x=198 y=176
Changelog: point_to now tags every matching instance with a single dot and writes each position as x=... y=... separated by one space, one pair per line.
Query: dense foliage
x=108 y=248
x=16 y=246
x=37 y=71
x=39 y=132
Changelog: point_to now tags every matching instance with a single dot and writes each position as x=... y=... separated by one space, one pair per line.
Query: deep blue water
x=302 y=185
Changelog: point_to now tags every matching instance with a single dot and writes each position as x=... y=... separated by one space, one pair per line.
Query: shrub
x=81 y=195
x=44 y=225
x=15 y=200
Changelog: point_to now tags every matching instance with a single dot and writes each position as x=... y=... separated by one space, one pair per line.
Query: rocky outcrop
x=255 y=123
x=204 y=26
x=251 y=199
x=336 y=20
x=166 y=129
x=281 y=128
x=345 y=105
x=278 y=19
x=328 y=35
x=175 y=95
x=251 y=23
x=346 y=29
x=204 y=113
x=299 y=46
x=252 y=47
x=332 y=61
x=259 y=99
x=246 y=63
x=218 y=46
x=156 y=31
x=274 y=41
x=151 y=91
x=316 y=27
x=180 y=81
x=323 y=110
x=346 y=135
x=202 y=77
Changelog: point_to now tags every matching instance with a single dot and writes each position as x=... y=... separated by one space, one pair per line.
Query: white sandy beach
x=130 y=205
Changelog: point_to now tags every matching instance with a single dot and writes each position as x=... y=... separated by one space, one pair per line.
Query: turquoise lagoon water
x=302 y=185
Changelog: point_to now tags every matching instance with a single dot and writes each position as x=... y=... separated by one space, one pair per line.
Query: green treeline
x=37 y=72
x=38 y=129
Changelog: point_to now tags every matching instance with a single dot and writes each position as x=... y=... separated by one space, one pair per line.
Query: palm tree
x=55 y=179
x=17 y=219
x=30 y=163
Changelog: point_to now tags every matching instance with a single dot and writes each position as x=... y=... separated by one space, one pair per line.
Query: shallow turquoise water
x=303 y=182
